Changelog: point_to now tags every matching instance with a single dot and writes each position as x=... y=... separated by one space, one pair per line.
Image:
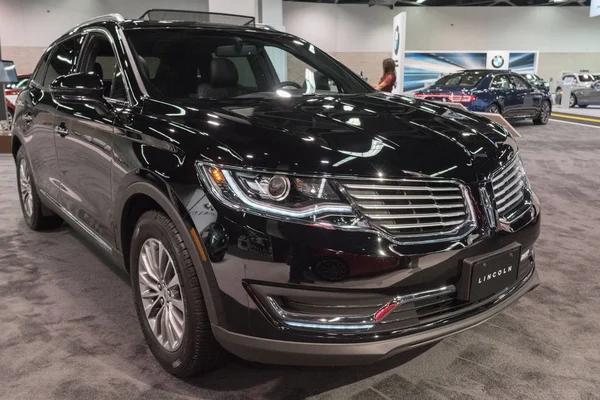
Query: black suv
x=267 y=201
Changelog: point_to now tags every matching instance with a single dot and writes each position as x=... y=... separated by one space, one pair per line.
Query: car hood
x=370 y=135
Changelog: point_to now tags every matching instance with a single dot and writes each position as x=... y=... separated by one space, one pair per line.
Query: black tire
x=573 y=101
x=39 y=217
x=198 y=350
x=494 y=109
x=544 y=115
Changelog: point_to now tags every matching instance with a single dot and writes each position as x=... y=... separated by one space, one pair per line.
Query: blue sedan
x=502 y=92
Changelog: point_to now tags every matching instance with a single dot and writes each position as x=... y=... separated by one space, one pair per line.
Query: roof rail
x=159 y=14
x=107 y=17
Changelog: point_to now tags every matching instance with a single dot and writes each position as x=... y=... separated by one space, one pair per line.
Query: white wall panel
x=39 y=22
x=359 y=28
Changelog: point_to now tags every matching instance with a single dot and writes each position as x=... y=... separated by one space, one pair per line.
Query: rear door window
x=471 y=78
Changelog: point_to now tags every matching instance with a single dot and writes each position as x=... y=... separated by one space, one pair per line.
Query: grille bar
x=414 y=216
x=393 y=187
x=401 y=197
x=409 y=206
x=424 y=225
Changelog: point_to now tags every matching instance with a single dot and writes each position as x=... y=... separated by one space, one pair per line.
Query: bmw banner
x=398 y=50
x=498 y=59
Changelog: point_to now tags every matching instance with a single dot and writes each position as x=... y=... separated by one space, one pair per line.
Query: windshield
x=532 y=77
x=191 y=63
x=586 y=78
x=468 y=78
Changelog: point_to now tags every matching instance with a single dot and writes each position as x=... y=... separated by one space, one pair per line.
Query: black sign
x=485 y=276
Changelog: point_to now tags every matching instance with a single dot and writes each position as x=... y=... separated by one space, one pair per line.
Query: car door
x=36 y=118
x=594 y=95
x=84 y=143
x=504 y=93
x=532 y=97
x=524 y=98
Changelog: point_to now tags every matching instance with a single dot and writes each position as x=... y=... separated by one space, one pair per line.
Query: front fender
x=180 y=206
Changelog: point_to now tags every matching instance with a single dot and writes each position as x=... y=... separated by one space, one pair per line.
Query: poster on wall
x=523 y=62
x=423 y=69
x=595 y=8
x=398 y=50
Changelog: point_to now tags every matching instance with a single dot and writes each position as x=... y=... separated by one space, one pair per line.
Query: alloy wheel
x=494 y=109
x=162 y=297
x=25 y=187
x=572 y=101
x=545 y=112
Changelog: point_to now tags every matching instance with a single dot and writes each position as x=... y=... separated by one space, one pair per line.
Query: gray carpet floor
x=68 y=328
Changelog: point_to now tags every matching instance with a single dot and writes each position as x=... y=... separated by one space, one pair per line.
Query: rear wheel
x=493 y=109
x=169 y=300
x=35 y=214
x=544 y=115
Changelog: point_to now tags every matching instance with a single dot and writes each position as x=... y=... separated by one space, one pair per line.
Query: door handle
x=61 y=129
x=27 y=118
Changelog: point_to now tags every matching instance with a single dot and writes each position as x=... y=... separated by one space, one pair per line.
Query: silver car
x=577 y=82
x=584 y=97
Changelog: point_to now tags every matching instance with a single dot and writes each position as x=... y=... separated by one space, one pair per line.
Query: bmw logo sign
x=498 y=61
x=396 y=40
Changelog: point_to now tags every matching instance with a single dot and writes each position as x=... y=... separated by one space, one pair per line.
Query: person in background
x=386 y=84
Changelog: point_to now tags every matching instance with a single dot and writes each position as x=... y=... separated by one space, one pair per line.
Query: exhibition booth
x=219 y=199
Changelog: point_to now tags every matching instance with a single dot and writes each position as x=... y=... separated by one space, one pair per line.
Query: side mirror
x=80 y=89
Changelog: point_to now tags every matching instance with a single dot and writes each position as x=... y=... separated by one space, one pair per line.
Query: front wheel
x=168 y=298
x=572 y=101
x=544 y=115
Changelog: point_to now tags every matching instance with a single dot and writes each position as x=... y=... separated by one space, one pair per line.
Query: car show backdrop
x=422 y=69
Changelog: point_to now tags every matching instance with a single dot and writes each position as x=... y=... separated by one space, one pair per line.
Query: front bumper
x=254 y=260
x=303 y=353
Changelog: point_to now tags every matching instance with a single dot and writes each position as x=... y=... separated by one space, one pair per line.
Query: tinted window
x=100 y=59
x=63 y=59
x=468 y=78
x=501 y=82
x=586 y=78
x=182 y=63
x=40 y=71
x=519 y=82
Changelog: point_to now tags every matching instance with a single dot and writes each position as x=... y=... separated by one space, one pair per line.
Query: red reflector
x=381 y=314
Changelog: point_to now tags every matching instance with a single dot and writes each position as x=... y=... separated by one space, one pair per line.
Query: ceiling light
x=420 y=1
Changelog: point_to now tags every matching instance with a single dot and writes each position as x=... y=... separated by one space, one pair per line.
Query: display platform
x=587 y=116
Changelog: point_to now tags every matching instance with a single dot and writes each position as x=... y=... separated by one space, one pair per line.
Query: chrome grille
x=413 y=209
x=509 y=184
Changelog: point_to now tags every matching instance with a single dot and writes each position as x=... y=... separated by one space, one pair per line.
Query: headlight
x=299 y=199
